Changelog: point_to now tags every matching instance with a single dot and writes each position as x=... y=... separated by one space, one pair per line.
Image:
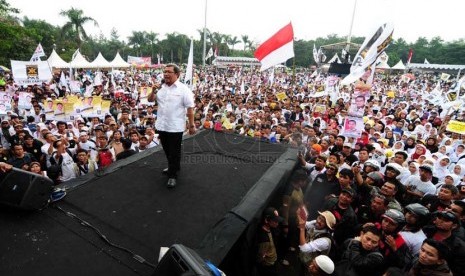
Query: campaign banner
x=456 y=127
x=353 y=127
x=30 y=73
x=140 y=61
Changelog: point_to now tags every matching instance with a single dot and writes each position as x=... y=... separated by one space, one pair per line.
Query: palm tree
x=76 y=24
x=153 y=39
x=246 y=41
x=137 y=40
x=233 y=41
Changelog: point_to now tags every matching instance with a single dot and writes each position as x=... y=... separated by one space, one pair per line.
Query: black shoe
x=165 y=171
x=171 y=183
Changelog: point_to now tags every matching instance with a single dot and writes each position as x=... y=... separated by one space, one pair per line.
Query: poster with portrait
x=353 y=127
x=359 y=99
x=144 y=93
x=59 y=110
x=24 y=100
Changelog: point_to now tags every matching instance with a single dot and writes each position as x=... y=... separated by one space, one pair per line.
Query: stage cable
x=135 y=256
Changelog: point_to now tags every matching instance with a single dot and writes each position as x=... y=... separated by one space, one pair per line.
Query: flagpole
x=204 y=36
x=351 y=25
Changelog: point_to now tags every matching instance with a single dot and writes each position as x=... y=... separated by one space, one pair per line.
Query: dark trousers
x=171 y=143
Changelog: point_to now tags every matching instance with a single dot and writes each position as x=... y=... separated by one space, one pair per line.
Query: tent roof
x=118 y=62
x=100 y=62
x=399 y=66
x=56 y=61
x=339 y=46
x=79 y=61
x=436 y=66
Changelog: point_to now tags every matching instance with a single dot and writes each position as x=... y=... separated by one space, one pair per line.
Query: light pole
x=204 y=36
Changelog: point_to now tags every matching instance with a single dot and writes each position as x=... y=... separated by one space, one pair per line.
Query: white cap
x=347 y=145
x=325 y=264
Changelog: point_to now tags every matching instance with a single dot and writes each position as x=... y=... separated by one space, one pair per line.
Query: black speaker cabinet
x=181 y=260
x=24 y=190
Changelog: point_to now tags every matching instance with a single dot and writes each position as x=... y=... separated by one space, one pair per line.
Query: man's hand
x=192 y=130
x=5 y=167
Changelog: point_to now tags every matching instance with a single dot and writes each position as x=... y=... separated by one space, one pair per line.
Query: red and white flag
x=410 y=55
x=277 y=49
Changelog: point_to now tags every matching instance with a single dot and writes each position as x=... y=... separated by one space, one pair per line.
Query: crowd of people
x=386 y=200
x=389 y=202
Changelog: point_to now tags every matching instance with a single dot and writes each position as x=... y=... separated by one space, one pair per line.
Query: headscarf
x=416 y=155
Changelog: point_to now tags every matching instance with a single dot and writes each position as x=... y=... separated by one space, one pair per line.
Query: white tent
x=55 y=61
x=383 y=65
x=100 y=62
x=79 y=61
x=399 y=66
x=118 y=62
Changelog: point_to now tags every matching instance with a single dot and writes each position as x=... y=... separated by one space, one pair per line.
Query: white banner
x=30 y=73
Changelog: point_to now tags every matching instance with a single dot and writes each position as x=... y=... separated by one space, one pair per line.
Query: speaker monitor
x=24 y=190
x=181 y=260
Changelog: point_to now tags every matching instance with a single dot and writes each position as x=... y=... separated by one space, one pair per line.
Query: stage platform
x=225 y=182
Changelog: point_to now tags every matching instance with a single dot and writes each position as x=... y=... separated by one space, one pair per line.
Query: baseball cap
x=448 y=215
x=272 y=213
x=325 y=264
x=329 y=218
x=349 y=191
x=347 y=145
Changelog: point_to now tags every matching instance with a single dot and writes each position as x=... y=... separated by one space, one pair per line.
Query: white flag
x=209 y=54
x=39 y=52
x=190 y=65
x=74 y=54
x=63 y=80
x=426 y=61
x=242 y=88
x=315 y=53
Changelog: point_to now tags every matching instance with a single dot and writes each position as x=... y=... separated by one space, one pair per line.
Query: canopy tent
x=339 y=46
x=56 y=61
x=241 y=61
x=430 y=66
x=399 y=66
x=4 y=69
x=79 y=61
x=118 y=62
x=100 y=62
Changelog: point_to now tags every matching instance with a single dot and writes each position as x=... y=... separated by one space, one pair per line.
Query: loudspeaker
x=24 y=190
x=181 y=260
x=340 y=69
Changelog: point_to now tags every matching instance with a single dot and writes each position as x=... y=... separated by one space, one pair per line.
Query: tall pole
x=204 y=36
x=351 y=25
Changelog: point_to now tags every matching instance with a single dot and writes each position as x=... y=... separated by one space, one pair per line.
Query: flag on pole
x=215 y=54
x=39 y=52
x=426 y=61
x=242 y=88
x=63 y=80
x=209 y=54
x=190 y=64
x=277 y=49
x=410 y=54
x=315 y=53
x=158 y=59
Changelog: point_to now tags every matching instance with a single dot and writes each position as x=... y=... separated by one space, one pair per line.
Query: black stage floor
x=222 y=176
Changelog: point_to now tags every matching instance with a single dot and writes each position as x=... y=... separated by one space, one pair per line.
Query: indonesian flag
x=277 y=49
x=410 y=54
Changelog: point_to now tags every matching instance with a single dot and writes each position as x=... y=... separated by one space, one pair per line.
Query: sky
x=259 y=19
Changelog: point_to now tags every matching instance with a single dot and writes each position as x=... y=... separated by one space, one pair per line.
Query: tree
x=76 y=24
x=137 y=40
x=246 y=41
x=233 y=41
x=6 y=9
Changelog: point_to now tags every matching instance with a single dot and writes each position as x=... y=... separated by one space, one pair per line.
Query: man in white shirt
x=173 y=99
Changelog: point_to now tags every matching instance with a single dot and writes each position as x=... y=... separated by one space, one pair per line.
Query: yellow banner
x=281 y=96
x=456 y=126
